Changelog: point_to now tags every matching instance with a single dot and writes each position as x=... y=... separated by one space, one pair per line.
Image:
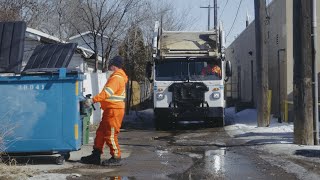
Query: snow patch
x=277 y=139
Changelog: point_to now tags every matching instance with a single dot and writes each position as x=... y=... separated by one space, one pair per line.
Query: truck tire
x=212 y=122
x=161 y=123
x=220 y=122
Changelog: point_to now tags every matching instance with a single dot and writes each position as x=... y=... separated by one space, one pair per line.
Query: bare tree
x=57 y=18
x=104 y=19
x=134 y=51
x=30 y=11
x=111 y=19
x=161 y=10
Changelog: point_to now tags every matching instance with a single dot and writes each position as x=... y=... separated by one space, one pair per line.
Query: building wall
x=277 y=47
x=242 y=64
x=289 y=51
x=86 y=41
x=280 y=56
x=318 y=44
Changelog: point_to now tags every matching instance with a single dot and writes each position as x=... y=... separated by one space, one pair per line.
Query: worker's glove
x=88 y=102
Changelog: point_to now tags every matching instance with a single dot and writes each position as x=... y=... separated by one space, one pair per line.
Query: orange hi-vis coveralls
x=111 y=99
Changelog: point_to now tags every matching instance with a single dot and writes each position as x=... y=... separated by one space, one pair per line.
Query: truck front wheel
x=161 y=122
x=214 y=122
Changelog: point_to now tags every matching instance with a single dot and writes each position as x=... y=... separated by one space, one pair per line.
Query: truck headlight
x=215 y=95
x=160 y=96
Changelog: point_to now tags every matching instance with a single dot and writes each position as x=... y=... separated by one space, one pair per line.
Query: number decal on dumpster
x=27 y=87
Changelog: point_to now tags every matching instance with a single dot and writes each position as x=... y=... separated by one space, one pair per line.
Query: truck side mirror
x=228 y=69
x=149 y=71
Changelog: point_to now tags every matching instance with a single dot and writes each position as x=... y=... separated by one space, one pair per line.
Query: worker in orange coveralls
x=211 y=69
x=111 y=99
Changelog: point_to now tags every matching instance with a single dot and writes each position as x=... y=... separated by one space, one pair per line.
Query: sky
x=227 y=16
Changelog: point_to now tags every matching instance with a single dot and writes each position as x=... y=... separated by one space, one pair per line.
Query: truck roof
x=188 y=43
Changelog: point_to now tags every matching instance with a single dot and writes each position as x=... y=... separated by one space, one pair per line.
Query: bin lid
x=12 y=37
x=50 y=57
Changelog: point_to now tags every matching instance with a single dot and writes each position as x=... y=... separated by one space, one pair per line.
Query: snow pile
x=245 y=122
x=275 y=140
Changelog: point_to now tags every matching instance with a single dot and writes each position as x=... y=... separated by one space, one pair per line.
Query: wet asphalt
x=191 y=151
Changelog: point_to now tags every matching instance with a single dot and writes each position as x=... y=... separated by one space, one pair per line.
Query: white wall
x=93 y=84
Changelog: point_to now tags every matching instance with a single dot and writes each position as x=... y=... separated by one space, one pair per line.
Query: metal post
x=279 y=86
x=252 y=89
x=209 y=14
x=315 y=73
x=215 y=9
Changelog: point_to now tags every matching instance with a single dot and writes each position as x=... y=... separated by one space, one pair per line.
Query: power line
x=223 y=9
x=234 y=19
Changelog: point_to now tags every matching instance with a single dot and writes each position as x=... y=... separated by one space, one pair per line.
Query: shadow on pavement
x=287 y=135
x=308 y=153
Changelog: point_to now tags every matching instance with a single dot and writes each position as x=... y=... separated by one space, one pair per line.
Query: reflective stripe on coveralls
x=109 y=91
x=113 y=143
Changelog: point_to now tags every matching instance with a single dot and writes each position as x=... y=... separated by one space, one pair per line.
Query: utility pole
x=302 y=91
x=315 y=74
x=209 y=7
x=215 y=9
x=262 y=64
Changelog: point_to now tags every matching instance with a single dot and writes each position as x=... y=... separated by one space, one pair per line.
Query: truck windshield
x=191 y=69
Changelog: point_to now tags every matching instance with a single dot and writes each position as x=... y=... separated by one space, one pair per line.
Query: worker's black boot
x=94 y=158
x=113 y=161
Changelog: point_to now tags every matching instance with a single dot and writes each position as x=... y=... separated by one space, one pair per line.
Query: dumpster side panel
x=72 y=124
x=39 y=114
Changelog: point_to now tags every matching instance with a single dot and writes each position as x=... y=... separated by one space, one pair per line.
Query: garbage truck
x=188 y=71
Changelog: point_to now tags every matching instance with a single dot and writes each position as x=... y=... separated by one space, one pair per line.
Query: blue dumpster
x=41 y=113
x=40 y=106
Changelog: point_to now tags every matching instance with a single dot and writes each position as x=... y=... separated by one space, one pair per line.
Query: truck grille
x=188 y=95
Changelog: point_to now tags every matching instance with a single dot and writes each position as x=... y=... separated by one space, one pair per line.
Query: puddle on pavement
x=218 y=164
x=215 y=160
x=118 y=178
x=162 y=153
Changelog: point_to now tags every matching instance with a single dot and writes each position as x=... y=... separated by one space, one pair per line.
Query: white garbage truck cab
x=188 y=72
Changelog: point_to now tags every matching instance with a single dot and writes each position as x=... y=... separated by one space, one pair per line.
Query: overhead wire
x=235 y=18
x=224 y=7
